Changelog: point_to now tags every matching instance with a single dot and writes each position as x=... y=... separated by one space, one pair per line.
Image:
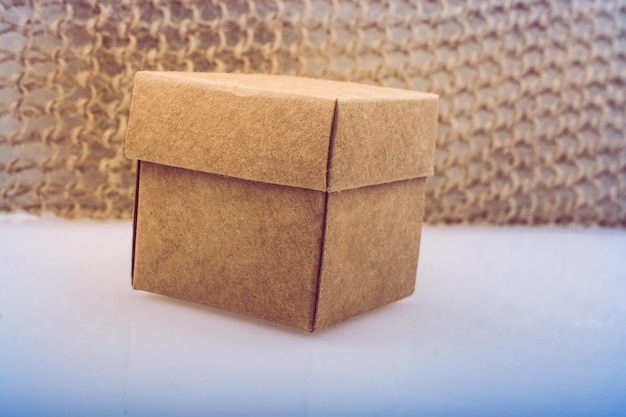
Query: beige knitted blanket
x=533 y=93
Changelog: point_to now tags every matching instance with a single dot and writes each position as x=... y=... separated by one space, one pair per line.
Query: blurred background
x=532 y=119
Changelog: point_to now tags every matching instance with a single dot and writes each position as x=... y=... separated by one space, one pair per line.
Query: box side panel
x=371 y=249
x=237 y=245
x=384 y=140
x=265 y=136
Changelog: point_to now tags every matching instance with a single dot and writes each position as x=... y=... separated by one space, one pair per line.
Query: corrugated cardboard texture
x=277 y=129
x=238 y=245
x=371 y=249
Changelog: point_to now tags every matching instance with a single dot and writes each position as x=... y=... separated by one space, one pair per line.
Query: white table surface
x=504 y=321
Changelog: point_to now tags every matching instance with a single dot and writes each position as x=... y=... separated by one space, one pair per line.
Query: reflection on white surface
x=513 y=321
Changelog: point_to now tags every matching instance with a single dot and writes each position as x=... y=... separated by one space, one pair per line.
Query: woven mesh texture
x=532 y=110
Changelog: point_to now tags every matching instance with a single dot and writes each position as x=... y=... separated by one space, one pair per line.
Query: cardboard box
x=294 y=200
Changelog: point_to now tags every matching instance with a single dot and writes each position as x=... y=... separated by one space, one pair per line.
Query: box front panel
x=238 y=245
x=371 y=248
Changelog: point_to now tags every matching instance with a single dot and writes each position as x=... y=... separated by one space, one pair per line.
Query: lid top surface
x=286 y=84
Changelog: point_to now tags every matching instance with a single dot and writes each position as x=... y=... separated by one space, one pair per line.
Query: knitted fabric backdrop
x=532 y=110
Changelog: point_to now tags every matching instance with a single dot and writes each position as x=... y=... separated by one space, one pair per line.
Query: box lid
x=295 y=131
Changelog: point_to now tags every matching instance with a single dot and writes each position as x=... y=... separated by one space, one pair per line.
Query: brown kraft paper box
x=289 y=199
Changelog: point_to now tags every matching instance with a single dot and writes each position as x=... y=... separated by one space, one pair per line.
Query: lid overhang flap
x=294 y=131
